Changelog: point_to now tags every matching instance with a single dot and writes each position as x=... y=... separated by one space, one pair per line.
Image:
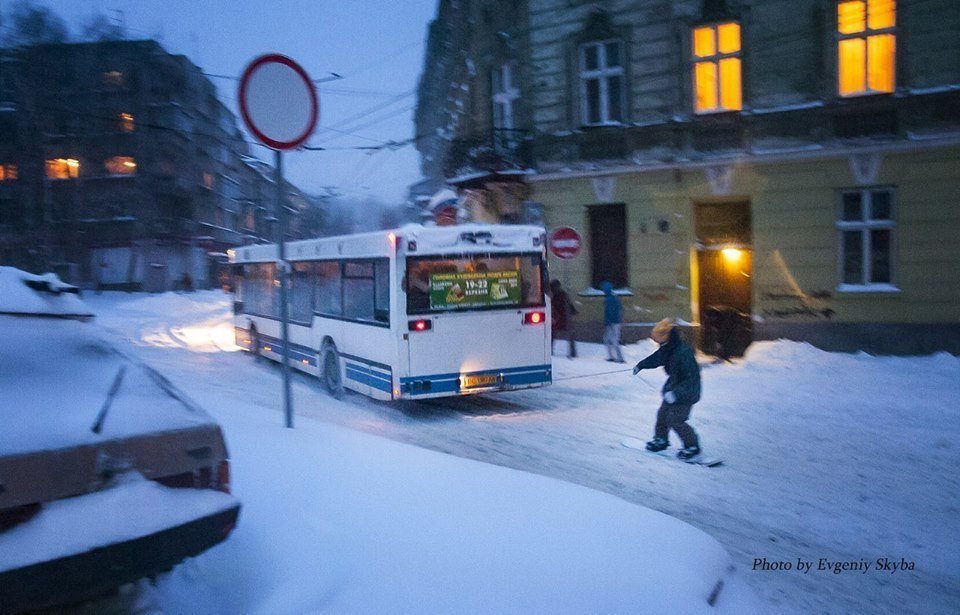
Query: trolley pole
x=284 y=275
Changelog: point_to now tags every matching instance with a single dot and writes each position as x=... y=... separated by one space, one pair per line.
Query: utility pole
x=283 y=272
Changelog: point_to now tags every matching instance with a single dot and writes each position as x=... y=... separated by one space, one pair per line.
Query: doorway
x=724 y=274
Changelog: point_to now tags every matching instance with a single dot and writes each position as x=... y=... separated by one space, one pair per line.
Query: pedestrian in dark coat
x=612 y=313
x=680 y=391
x=562 y=312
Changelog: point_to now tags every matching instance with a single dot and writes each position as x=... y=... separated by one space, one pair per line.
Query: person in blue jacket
x=612 y=313
x=680 y=392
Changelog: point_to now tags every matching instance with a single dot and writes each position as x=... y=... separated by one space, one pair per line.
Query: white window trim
x=506 y=95
x=866 y=194
x=602 y=74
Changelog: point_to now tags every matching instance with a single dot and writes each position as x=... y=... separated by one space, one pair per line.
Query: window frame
x=603 y=74
x=413 y=258
x=58 y=164
x=9 y=171
x=865 y=225
x=111 y=165
x=508 y=92
x=864 y=35
x=715 y=59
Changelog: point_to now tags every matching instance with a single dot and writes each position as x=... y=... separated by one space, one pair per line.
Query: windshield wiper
x=102 y=415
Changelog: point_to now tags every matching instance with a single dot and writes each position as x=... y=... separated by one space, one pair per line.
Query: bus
x=411 y=313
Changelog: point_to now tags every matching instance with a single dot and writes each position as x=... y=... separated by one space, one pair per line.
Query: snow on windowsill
x=867 y=288
x=596 y=292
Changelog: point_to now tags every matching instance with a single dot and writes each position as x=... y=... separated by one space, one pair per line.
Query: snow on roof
x=39 y=295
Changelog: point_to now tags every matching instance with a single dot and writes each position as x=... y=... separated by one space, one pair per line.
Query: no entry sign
x=565 y=243
x=278 y=102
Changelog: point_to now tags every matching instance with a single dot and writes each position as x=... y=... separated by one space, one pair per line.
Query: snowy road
x=829 y=457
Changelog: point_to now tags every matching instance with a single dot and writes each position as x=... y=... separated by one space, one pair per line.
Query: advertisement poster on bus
x=477 y=289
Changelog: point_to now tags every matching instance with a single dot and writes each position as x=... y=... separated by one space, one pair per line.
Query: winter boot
x=657 y=444
x=689 y=453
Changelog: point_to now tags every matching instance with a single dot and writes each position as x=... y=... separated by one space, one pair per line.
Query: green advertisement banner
x=483 y=288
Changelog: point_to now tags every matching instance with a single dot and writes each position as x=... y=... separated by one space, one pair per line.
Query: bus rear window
x=473 y=282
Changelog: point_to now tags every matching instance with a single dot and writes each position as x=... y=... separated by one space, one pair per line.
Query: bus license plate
x=470 y=382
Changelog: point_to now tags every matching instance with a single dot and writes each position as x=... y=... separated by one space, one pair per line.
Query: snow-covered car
x=107 y=472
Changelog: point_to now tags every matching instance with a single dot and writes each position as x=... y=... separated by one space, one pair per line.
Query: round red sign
x=278 y=102
x=565 y=243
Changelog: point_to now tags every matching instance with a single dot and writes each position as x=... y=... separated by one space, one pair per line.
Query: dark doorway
x=724 y=278
x=608 y=245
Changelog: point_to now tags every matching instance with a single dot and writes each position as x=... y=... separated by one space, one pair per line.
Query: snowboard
x=640 y=445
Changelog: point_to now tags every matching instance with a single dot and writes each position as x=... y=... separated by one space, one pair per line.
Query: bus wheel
x=330 y=372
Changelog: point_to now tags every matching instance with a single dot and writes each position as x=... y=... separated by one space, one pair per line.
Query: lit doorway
x=724 y=277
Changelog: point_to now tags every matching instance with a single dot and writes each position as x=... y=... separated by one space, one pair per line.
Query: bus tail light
x=534 y=318
x=424 y=324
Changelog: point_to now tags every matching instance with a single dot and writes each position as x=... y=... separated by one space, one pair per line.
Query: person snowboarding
x=680 y=392
x=612 y=313
x=563 y=312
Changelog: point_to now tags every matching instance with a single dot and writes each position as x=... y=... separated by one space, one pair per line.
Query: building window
x=601 y=82
x=865 y=225
x=8 y=172
x=63 y=168
x=120 y=165
x=112 y=78
x=505 y=91
x=608 y=245
x=125 y=122
x=866 y=47
x=717 y=84
x=207 y=180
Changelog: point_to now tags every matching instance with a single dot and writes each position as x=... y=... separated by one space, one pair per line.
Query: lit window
x=207 y=180
x=865 y=224
x=8 y=172
x=63 y=168
x=601 y=83
x=717 y=68
x=866 y=47
x=125 y=122
x=120 y=165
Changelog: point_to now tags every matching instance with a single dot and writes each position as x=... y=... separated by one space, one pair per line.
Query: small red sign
x=565 y=243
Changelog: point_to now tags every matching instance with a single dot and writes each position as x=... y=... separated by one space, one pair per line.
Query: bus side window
x=301 y=292
x=328 y=300
x=381 y=279
x=358 y=290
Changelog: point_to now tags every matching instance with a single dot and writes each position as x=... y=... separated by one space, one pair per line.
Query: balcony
x=492 y=151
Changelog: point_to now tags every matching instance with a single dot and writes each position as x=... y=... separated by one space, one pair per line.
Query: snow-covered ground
x=829 y=458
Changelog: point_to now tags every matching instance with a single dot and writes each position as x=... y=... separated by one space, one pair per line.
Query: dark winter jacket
x=683 y=373
x=611 y=306
x=561 y=309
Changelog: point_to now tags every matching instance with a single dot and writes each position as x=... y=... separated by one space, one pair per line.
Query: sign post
x=565 y=244
x=279 y=106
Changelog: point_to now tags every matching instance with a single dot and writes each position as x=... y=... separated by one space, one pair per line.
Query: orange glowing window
x=120 y=165
x=125 y=122
x=717 y=68
x=62 y=168
x=866 y=47
x=8 y=172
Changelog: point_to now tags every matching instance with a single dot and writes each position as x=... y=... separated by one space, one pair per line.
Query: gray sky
x=377 y=46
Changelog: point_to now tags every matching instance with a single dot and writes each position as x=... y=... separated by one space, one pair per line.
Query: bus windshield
x=473 y=282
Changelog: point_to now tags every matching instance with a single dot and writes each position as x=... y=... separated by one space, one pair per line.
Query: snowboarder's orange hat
x=661 y=330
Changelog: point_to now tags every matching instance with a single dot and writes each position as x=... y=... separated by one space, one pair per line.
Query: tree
x=102 y=28
x=33 y=25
